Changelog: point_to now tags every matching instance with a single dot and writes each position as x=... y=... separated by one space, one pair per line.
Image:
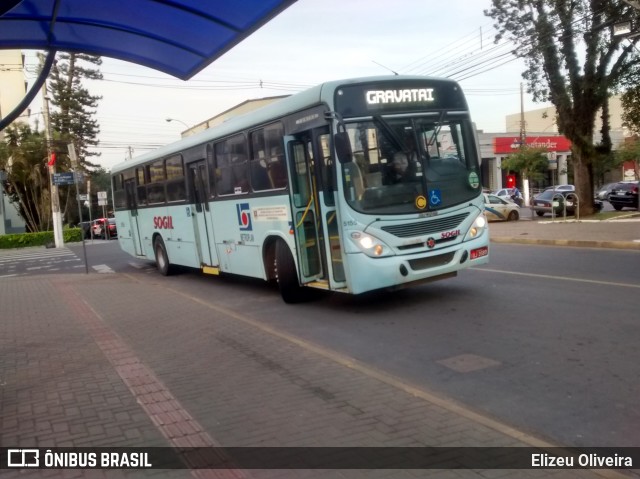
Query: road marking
x=33 y=256
x=103 y=268
x=559 y=278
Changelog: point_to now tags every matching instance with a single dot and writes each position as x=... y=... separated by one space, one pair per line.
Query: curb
x=627 y=245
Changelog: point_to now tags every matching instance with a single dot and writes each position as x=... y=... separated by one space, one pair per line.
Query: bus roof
x=313 y=96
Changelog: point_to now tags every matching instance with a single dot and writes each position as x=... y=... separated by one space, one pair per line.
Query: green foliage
x=531 y=163
x=573 y=60
x=73 y=115
x=631 y=109
x=42 y=238
x=630 y=151
x=27 y=180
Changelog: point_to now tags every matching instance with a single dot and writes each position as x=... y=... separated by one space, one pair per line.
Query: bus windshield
x=409 y=164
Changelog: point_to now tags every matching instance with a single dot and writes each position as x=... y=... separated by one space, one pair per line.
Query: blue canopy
x=178 y=37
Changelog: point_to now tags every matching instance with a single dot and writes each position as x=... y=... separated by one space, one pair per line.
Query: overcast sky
x=311 y=42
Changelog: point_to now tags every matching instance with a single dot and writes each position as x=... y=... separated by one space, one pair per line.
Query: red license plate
x=479 y=252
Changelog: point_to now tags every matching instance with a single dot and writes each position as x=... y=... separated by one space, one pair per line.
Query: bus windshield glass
x=408 y=164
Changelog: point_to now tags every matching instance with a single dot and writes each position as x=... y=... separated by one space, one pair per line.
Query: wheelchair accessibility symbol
x=435 y=197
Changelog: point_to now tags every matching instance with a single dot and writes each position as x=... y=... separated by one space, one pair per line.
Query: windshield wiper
x=437 y=129
x=389 y=133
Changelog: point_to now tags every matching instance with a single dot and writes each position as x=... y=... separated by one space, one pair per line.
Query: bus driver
x=400 y=169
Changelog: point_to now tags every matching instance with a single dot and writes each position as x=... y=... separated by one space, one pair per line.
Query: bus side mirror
x=343 y=147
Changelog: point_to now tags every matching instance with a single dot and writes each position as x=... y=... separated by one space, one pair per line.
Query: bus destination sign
x=411 y=95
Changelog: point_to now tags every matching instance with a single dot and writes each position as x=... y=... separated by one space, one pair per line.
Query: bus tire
x=286 y=275
x=162 y=258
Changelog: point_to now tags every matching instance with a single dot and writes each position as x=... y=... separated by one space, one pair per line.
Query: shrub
x=23 y=240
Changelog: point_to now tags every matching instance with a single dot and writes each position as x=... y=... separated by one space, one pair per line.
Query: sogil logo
x=244 y=216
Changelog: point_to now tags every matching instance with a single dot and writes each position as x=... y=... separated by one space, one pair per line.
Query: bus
x=351 y=186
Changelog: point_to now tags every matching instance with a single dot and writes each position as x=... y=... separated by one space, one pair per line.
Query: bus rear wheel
x=162 y=258
x=287 y=276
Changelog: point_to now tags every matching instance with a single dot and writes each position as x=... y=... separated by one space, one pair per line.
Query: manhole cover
x=465 y=363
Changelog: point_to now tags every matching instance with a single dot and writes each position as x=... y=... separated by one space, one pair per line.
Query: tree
x=532 y=163
x=630 y=151
x=573 y=61
x=74 y=107
x=23 y=155
x=72 y=118
x=631 y=109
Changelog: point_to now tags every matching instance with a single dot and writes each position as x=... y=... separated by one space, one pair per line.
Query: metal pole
x=55 y=199
x=74 y=164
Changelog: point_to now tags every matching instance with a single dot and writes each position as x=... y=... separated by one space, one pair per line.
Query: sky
x=311 y=42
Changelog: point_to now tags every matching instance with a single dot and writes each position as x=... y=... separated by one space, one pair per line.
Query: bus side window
x=232 y=168
x=224 y=184
x=141 y=189
x=240 y=169
x=259 y=175
x=277 y=169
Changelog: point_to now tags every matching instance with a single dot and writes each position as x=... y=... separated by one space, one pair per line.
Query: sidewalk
x=618 y=233
x=126 y=360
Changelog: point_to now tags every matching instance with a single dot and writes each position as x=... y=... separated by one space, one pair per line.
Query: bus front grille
x=427 y=227
x=431 y=261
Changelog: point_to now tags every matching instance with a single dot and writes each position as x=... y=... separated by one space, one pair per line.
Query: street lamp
x=169 y=120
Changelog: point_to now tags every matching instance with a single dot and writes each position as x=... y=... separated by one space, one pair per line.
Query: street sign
x=83 y=197
x=102 y=195
x=66 y=178
x=102 y=202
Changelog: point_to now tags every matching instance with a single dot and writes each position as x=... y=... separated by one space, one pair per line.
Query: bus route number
x=163 y=222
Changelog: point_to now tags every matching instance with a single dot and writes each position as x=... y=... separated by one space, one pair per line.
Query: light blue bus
x=350 y=186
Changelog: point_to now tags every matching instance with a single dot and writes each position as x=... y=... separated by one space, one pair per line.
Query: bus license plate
x=479 y=252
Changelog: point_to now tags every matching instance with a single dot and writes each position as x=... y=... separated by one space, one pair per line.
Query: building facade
x=541 y=130
x=13 y=88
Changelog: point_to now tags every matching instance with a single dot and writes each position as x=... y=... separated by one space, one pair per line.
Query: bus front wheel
x=162 y=259
x=287 y=276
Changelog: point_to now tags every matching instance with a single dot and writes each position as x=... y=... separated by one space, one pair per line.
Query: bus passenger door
x=200 y=213
x=304 y=202
x=132 y=207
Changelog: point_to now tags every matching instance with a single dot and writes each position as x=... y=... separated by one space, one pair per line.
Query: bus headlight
x=477 y=228
x=370 y=245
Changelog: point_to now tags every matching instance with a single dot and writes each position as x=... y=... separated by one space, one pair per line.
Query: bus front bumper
x=406 y=270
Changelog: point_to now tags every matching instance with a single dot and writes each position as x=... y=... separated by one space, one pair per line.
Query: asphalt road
x=543 y=338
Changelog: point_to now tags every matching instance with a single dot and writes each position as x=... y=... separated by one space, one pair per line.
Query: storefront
x=558 y=151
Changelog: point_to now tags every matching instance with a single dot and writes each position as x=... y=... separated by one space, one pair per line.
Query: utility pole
x=523 y=128
x=53 y=188
x=523 y=143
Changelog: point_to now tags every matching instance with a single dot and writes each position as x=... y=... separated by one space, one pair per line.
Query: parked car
x=511 y=194
x=505 y=193
x=603 y=192
x=624 y=195
x=561 y=188
x=100 y=231
x=554 y=199
x=499 y=209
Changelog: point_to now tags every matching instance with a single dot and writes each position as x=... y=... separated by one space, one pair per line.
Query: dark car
x=556 y=200
x=604 y=191
x=624 y=195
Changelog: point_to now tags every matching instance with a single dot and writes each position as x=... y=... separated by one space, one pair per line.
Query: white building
x=13 y=88
x=541 y=130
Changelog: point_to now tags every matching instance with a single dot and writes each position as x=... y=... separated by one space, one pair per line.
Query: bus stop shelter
x=177 y=37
